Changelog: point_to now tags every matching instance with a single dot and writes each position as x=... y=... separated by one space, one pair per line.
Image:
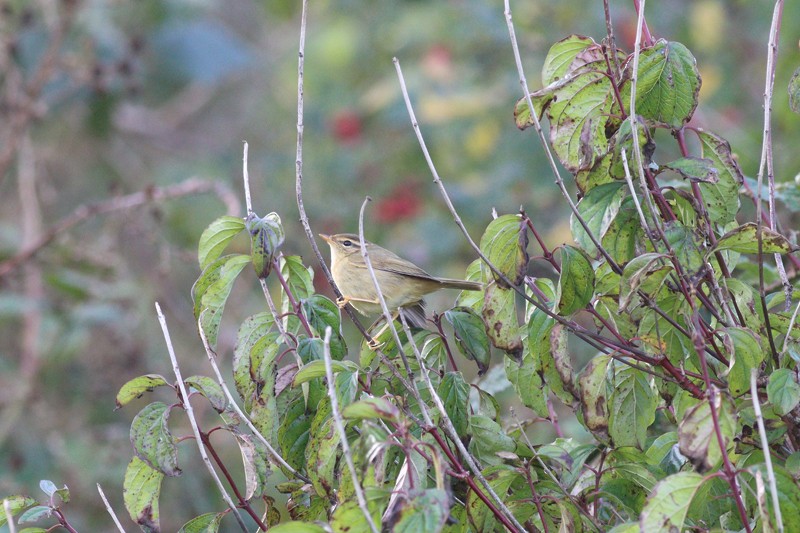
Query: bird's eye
x=347 y=243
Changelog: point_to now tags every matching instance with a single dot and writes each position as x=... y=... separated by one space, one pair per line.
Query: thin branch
x=299 y=186
x=337 y=421
x=110 y=509
x=246 y=178
x=789 y=330
x=246 y=419
x=12 y=528
x=543 y=140
x=146 y=196
x=762 y=432
x=712 y=395
x=190 y=414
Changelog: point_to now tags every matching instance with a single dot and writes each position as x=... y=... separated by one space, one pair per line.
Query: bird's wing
x=397 y=265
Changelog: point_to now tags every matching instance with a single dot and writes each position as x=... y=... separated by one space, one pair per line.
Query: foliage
x=691 y=396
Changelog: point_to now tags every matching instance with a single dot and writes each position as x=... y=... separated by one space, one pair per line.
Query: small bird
x=402 y=283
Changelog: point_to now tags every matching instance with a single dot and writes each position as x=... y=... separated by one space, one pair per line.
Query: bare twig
x=190 y=414
x=12 y=528
x=546 y=145
x=762 y=432
x=86 y=211
x=110 y=509
x=246 y=179
x=766 y=162
x=789 y=330
x=337 y=421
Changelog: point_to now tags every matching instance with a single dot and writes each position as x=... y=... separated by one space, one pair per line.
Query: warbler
x=402 y=283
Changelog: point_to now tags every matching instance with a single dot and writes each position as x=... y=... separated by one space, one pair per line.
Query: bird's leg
x=344 y=300
x=373 y=343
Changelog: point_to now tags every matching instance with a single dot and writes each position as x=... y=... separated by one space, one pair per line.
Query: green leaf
x=294 y=433
x=578 y=107
x=697 y=437
x=322 y=455
x=625 y=236
x=297 y=527
x=696 y=169
x=266 y=236
x=137 y=386
x=788 y=495
x=255 y=343
x=666 y=507
x=783 y=391
x=48 y=487
x=210 y=389
x=470 y=335
x=668 y=84
x=141 y=490
x=686 y=245
x=561 y=55
x=216 y=237
x=745 y=355
x=16 y=504
x=152 y=440
x=576 y=281
x=205 y=523
x=348 y=518
x=316 y=369
x=505 y=245
x=454 y=392
x=425 y=510
x=488 y=438
x=557 y=366
x=632 y=408
x=636 y=272
x=659 y=336
x=526 y=377
x=595 y=397
x=598 y=208
x=503 y=479
x=744 y=240
x=321 y=313
x=34 y=514
x=211 y=291
x=721 y=198
x=500 y=315
x=298 y=276
x=372 y=408
x=256 y=466
x=794 y=91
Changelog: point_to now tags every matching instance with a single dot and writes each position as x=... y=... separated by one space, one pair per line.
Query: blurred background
x=103 y=99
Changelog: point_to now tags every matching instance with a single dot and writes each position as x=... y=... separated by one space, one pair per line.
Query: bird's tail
x=460 y=284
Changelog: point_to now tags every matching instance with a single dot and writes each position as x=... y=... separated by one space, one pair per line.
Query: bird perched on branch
x=402 y=283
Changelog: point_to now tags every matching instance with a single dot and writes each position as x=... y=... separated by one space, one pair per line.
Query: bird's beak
x=326 y=238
